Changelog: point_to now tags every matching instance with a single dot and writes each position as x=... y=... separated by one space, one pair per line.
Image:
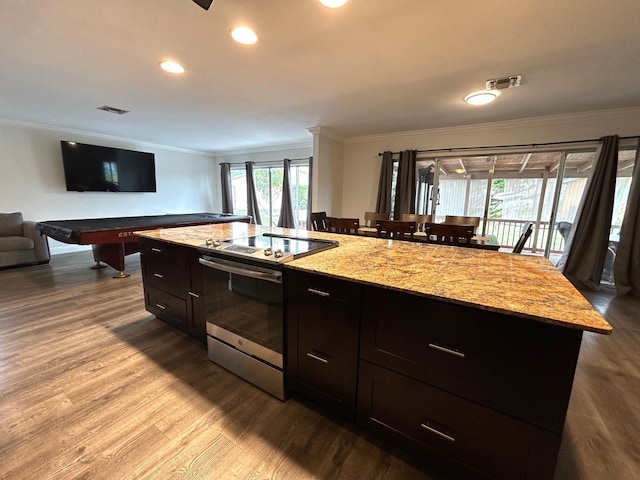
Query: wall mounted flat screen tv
x=91 y=168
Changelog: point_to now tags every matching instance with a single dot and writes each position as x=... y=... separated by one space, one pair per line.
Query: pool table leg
x=112 y=254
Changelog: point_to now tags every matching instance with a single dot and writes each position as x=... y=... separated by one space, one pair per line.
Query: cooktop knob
x=211 y=243
x=268 y=251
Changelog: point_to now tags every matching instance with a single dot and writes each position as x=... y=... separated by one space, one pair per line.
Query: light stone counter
x=521 y=285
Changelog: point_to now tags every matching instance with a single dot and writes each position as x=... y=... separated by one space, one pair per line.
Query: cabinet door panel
x=166 y=307
x=163 y=275
x=195 y=298
x=517 y=366
x=421 y=416
x=322 y=339
x=164 y=250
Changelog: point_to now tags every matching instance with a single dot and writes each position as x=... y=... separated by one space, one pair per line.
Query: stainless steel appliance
x=243 y=296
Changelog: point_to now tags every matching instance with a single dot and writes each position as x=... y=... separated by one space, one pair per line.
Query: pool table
x=112 y=238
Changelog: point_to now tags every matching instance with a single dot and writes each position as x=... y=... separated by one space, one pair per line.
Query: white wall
x=361 y=168
x=328 y=154
x=270 y=154
x=32 y=180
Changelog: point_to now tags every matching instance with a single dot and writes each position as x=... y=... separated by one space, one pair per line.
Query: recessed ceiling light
x=244 y=35
x=481 y=97
x=333 y=3
x=172 y=67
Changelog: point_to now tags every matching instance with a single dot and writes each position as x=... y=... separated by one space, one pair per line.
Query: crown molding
x=325 y=132
x=549 y=120
x=72 y=132
x=263 y=149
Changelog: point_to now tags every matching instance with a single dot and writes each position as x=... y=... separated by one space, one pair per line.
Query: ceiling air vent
x=505 y=82
x=109 y=109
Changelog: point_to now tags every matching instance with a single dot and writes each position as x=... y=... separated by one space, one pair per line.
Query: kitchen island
x=461 y=355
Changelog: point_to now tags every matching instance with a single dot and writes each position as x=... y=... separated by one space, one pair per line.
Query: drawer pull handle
x=160 y=306
x=438 y=432
x=317 y=357
x=318 y=292
x=193 y=294
x=159 y=275
x=446 y=350
x=157 y=250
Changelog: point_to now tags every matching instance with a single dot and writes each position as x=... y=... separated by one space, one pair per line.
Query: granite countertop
x=522 y=285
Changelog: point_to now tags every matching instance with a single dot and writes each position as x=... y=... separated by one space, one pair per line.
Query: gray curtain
x=383 y=203
x=309 y=197
x=586 y=248
x=227 y=195
x=627 y=263
x=252 y=198
x=406 y=184
x=286 y=219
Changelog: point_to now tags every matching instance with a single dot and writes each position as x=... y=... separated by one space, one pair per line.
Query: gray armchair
x=20 y=242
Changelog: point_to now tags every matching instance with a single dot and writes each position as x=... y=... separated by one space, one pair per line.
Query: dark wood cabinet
x=196 y=314
x=322 y=322
x=173 y=285
x=483 y=389
x=421 y=417
x=483 y=392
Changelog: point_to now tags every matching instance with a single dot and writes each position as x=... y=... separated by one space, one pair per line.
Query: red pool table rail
x=112 y=238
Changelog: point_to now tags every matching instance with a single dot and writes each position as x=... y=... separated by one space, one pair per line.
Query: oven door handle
x=273 y=276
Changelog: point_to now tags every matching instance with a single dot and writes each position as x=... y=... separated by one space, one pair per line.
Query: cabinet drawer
x=164 y=250
x=521 y=367
x=166 y=307
x=328 y=359
x=163 y=275
x=324 y=290
x=426 y=418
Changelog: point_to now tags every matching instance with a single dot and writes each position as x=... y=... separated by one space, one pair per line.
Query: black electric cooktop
x=270 y=247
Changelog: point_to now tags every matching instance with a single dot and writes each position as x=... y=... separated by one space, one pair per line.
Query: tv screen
x=91 y=168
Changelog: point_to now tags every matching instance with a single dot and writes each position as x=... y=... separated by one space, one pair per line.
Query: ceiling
x=371 y=67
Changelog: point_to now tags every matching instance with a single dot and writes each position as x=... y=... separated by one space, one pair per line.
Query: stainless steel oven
x=243 y=295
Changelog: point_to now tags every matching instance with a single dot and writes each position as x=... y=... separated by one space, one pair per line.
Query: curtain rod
x=269 y=161
x=532 y=145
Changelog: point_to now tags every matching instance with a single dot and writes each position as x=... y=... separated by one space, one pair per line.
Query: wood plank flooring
x=92 y=386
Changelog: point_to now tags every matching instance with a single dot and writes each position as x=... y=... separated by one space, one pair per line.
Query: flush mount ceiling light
x=244 y=35
x=333 y=3
x=172 y=67
x=481 y=97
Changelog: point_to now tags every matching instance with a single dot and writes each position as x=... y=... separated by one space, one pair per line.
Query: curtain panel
x=286 y=219
x=227 y=195
x=309 y=193
x=252 y=199
x=586 y=248
x=383 y=202
x=626 y=267
x=406 y=184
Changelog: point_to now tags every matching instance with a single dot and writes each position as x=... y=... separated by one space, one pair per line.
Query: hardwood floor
x=93 y=386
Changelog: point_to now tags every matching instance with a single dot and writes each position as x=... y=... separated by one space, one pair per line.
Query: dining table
x=486 y=242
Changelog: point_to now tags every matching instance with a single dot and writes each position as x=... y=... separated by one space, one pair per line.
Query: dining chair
x=462 y=220
x=370 y=219
x=449 y=234
x=525 y=233
x=420 y=220
x=318 y=221
x=564 y=228
x=396 y=229
x=343 y=225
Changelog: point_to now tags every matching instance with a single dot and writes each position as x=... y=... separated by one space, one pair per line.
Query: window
x=268 y=178
x=508 y=190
